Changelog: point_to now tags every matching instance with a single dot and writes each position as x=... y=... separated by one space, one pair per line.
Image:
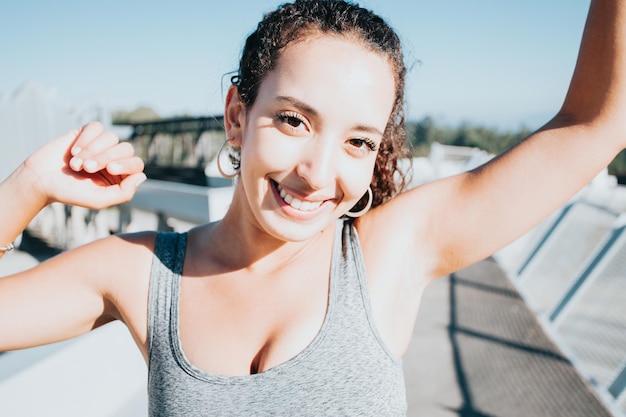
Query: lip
x=310 y=210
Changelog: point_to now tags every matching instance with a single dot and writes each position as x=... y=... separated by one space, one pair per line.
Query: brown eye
x=364 y=144
x=291 y=121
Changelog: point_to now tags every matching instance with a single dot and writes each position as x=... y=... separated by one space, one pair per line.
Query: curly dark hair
x=292 y=22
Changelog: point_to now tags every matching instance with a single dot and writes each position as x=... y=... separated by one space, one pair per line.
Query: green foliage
x=618 y=167
x=140 y=114
x=421 y=133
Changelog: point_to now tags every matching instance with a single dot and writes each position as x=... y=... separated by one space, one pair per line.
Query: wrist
x=21 y=198
x=27 y=188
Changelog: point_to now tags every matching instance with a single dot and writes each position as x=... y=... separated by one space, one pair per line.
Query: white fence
x=33 y=115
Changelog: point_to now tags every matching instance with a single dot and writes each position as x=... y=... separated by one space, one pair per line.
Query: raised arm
x=468 y=217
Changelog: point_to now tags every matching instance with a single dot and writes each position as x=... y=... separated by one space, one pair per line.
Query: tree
x=140 y=114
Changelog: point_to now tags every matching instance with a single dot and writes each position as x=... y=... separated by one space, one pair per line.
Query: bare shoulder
x=114 y=257
x=118 y=266
x=125 y=262
x=398 y=232
x=419 y=224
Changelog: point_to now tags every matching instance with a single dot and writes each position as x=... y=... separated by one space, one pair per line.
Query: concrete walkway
x=479 y=351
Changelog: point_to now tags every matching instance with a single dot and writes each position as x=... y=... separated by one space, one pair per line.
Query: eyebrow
x=305 y=108
x=299 y=105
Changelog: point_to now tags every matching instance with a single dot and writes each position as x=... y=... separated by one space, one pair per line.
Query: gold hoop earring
x=370 y=199
x=227 y=158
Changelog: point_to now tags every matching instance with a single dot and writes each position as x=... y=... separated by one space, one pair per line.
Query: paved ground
x=477 y=351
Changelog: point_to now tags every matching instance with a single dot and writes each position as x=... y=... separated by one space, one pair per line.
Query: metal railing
x=572 y=273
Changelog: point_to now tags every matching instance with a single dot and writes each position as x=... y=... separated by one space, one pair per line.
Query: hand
x=87 y=167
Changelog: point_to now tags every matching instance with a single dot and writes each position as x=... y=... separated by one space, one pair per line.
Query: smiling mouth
x=296 y=203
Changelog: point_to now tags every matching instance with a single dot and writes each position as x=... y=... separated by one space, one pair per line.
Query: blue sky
x=493 y=62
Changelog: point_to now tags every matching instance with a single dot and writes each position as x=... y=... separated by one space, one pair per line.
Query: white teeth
x=308 y=206
x=297 y=203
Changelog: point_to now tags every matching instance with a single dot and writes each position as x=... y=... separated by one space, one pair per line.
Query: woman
x=294 y=304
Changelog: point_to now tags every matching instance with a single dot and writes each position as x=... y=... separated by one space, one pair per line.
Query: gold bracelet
x=7 y=248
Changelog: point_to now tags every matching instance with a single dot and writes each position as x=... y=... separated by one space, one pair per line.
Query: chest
x=340 y=364
x=243 y=323
x=273 y=348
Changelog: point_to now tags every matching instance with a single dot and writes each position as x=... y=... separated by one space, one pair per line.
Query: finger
x=97 y=161
x=99 y=144
x=86 y=134
x=127 y=166
x=86 y=158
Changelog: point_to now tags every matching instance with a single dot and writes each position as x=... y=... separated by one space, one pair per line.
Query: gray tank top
x=345 y=371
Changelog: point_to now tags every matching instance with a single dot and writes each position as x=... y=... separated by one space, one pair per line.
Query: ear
x=234 y=116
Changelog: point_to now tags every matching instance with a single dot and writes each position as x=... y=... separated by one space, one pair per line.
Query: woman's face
x=309 y=142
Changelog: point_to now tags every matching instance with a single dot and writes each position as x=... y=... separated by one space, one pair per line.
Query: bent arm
x=472 y=215
x=64 y=296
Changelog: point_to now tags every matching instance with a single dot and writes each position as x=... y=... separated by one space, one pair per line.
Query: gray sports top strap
x=345 y=371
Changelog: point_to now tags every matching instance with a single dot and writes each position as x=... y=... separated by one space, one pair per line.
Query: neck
x=239 y=242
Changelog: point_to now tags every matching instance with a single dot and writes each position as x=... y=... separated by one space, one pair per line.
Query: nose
x=318 y=163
